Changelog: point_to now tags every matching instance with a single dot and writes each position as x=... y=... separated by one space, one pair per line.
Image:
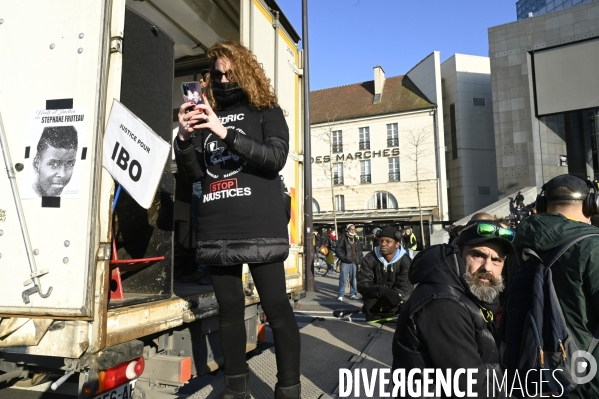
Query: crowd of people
x=506 y=302
x=500 y=296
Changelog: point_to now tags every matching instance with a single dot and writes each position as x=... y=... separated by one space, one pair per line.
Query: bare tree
x=417 y=148
x=325 y=134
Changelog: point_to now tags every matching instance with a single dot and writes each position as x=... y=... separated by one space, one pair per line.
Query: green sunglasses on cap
x=488 y=230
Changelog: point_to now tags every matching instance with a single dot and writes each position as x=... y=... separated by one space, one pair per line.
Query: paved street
x=324 y=301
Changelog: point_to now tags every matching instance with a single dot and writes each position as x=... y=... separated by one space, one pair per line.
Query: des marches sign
x=393 y=152
x=133 y=154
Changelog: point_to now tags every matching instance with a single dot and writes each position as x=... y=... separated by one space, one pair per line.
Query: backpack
x=536 y=334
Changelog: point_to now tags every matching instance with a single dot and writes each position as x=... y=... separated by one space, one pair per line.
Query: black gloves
x=392 y=296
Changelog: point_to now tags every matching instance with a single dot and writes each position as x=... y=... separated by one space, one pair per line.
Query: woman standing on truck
x=236 y=144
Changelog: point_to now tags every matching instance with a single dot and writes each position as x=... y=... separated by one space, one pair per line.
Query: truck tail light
x=118 y=375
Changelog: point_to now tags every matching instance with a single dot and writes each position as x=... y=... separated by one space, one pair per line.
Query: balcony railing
x=365 y=179
x=337 y=147
x=338 y=180
x=394 y=176
x=393 y=142
x=364 y=145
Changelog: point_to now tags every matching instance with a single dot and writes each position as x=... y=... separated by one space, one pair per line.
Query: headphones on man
x=589 y=204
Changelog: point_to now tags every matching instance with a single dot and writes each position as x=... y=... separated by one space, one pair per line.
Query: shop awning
x=375 y=215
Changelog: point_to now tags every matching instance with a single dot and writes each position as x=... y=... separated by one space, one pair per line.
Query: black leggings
x=270 y=283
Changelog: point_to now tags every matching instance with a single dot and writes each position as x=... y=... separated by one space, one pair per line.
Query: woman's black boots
x=292 y=392
x=236 y=387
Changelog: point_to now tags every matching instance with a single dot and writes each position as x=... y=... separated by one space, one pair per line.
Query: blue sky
x=349 y=37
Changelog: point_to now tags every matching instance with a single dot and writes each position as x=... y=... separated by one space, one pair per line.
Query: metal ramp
x=327 y=346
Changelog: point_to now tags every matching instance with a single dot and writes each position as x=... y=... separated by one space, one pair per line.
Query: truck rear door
x=52 y=81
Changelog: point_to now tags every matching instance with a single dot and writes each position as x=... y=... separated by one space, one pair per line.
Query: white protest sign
x=133 y=154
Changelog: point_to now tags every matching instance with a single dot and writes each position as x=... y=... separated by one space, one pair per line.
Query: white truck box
x=66 y=61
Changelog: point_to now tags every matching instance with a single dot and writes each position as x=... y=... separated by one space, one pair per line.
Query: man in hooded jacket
x=383 y=278
x=448 y=322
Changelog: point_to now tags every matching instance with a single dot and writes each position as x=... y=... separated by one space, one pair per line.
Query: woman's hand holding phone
x=194 y=117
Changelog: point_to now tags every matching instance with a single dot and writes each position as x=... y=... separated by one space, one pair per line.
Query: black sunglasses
x=217 y=75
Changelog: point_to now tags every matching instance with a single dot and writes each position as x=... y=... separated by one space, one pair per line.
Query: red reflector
x=261 y=332
x=139 y=367
x=185 y=370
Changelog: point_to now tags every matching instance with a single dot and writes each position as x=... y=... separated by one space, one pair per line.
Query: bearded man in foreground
x=448 y=322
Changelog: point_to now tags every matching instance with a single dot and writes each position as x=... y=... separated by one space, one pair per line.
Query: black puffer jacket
x=242 y=217
x=442 y=325
x=345 y=251
x=373 y=279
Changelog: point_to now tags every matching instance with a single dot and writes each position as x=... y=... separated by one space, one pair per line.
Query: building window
x=392 y=137
x=340 y=203
x=315 y=206
x=478 y=101
x=364 y=138
x=394 y=169
x=337 y=141
x=382 y=200
x=454 y=133
x=484 y=190
x=365 y=172
x=338 y=173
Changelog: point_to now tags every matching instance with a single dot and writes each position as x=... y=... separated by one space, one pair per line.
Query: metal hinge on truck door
x=104 y=251
x=35 y=275
x=116 y=44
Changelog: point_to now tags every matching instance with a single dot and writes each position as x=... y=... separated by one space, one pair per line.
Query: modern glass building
x=539 y=7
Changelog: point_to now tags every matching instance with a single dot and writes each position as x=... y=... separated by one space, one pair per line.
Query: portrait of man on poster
x=54 y=160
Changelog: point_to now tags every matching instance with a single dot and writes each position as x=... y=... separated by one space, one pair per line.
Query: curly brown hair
x=247 y=72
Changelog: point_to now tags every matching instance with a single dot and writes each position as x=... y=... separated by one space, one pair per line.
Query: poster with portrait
x=54 y=155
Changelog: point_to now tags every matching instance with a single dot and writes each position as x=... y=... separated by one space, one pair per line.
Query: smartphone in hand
x=192 y=92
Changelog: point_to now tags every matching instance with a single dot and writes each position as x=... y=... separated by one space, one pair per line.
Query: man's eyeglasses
x=488 y=230
x=218 y=75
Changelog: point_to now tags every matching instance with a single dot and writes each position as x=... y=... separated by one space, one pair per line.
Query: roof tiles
x=355 y=100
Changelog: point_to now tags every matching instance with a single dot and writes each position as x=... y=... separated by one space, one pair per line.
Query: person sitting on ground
x=383 y=279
